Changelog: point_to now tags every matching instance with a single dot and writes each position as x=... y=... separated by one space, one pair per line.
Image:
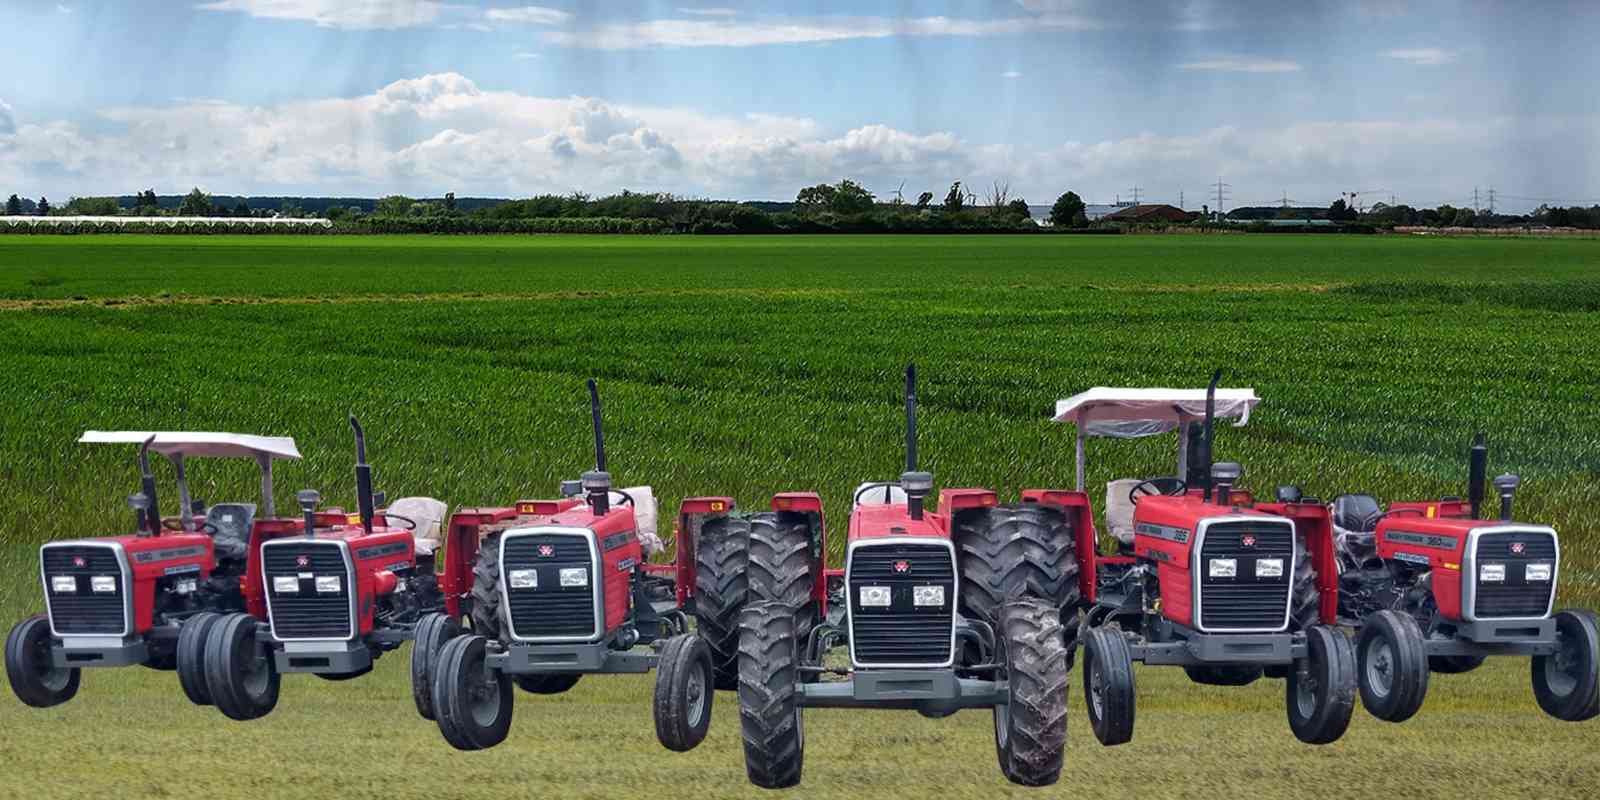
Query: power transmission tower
x=1136 y=190
x=1222 y=195
x=1474 y=201
x=1491 y=201
x=1180 y=198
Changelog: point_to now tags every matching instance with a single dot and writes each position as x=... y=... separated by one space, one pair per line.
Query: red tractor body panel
x=463 y=537
x=691 y=514
x=810 y=504
x=1165 y=531
x=253 y=587
x=1080 y=513
x=895 y=522
x=1313 y=523
x=616 y=537
x=151 y=558
x=1440 y=543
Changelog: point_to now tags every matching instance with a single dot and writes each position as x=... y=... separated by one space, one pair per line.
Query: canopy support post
x=1183 y=448
x=268 y=509
x=1082 y=455
x=185 y=513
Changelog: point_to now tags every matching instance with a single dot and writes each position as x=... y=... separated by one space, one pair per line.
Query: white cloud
x=1422 y=56
x=443 y=132
x=1236 y=64
x=530 y=15
x=796 y=30
x=63 y=8
x=708 y=12
x=524 y=55
x=1011 y=73
x=344 y=14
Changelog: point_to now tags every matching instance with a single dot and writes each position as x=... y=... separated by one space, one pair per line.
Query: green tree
x=291 y=209
x=450 y=202
x=93 y=206
x=1465 y=218
x=395 y=205
x=146 y=203
x=850 y=197
x=43 y=208
x=815 y=198
x=954 y=200
x=195 y=204
x=1068 y=209
x=241 y=209
x=336 y=213
x=1019 y=208
x=13 y=205
x=1445 y=215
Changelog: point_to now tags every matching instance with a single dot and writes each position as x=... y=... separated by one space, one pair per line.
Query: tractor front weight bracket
x=903 y=689
x=525 y=659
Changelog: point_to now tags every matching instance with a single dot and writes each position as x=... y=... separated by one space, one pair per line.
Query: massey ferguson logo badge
x=1248 y=541
x=302 y=561
x=80 y=561
x=1518 y=547
x=902 y=566
x=546 y=550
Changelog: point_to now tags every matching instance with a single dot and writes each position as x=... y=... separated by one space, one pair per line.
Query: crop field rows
x=753 y=365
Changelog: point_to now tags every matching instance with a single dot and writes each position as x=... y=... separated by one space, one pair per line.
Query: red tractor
x=1434 y=587
x=1202 y=576
x=148 y=597
x=939 y=610
x=327 y=598
x=557 y=589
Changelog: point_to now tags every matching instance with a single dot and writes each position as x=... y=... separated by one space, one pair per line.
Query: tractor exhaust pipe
x=1477 y=466
x=1506 y=485
x=597 y=482
x=1207 y=433
x=916 y=484
x=147 y=486
x=363 y=476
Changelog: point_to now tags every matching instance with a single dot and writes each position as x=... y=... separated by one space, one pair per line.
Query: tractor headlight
x=875 y=597
x=103 y=584
x=1536 y=572
x=524 y=578
x=1492 y=573
x=63 y=584
x=1269 y=568
x=1224 y=568
x=329 y=584
x=574 y=577
x=927 y=596
x=285 y=584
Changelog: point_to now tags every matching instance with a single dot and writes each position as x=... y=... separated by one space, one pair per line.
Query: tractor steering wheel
x=1169 y=487
x=175 y=525
x=388 y=521
x=886 y=486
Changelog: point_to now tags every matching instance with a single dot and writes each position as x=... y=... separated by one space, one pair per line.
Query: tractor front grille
x=549 y=611
x=84 y=611
x=1247 y=600
x=901 y=634
x=306 y=613
x=1515 y=596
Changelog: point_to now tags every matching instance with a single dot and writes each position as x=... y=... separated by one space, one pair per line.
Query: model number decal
x=615 y=541
x=380 y=550
x=149 y=556
x=181 y=569
x=1422 y=539
x=1171 y=534
x=1412 y=558
x=626 y=564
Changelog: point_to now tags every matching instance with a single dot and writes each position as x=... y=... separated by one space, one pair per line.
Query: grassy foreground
x=749 y=365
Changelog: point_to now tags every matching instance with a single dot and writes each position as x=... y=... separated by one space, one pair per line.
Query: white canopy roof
x=1132 y=413
x=197 y=443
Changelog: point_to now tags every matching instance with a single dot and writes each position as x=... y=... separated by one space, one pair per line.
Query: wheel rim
x=254 y=669
x=1305 y=695
x=1097 y=691
x=696 y=695
x=50 y=676
x=484 y=696
x=1380 y=668
x=1562 y=671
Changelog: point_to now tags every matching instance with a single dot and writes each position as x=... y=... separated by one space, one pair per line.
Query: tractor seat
x=878 y=495
x=1356 y=513
x=232 y=522
x=428 y=514
x=1119 y=511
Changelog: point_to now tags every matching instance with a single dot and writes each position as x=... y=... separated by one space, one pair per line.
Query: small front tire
x=1321 y=689
x=685 y=687
x=192 y=637
x=1565 y=683
x=1392 y=666
x=35 y=679
x=1108 y=688
x=433 y=631
x=471 y=703
x=243 y=680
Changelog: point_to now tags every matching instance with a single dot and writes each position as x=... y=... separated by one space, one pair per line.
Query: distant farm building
x=1150 y=213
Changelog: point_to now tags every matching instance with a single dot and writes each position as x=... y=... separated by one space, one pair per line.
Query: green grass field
x=748 y=365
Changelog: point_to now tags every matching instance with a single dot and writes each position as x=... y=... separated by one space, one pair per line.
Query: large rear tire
x=35 y=679
x=1305 y=608
x=243 y=680
x=192 y=637
x=783 y=569
x=721 y=589
x=771 y=722
x=1030 y=731
x=1026 y=550
x=1392 y=666
x=1565 y=683
x=684 y=693
x=485 y=592
x=1108 y=689
x=471 y=704
x=1321 y=689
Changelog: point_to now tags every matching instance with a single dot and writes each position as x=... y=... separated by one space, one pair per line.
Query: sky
x=1419 y=101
